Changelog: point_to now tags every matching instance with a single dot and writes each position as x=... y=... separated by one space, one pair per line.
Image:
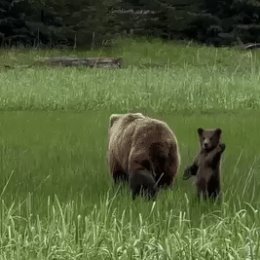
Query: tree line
x=91 y=23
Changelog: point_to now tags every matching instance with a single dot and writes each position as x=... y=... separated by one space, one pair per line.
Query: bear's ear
x=113 y=118
x=200 y=131
x=218 y=131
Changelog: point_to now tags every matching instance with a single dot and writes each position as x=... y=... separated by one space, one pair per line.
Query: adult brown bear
x=143 y=151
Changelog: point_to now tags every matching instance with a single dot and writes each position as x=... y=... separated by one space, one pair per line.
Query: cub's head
x=209 y=138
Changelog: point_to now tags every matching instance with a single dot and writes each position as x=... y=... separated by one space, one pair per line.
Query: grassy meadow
x=57 y=200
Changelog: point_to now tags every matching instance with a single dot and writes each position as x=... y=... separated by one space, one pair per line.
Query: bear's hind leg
x=117 y=172
x=202 y=191
x=214 y=188
x=142 y=183
x=141 y=179
x=169 y=169
x=119 y=177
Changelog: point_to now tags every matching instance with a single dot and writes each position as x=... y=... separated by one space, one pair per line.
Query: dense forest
x=91 y=23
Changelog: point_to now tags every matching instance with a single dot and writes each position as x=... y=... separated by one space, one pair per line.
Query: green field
x=57 y=198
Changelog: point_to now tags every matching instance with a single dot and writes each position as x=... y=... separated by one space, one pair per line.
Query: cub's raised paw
x=222 y=147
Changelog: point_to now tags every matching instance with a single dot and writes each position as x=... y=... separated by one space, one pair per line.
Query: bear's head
x=209 y=138
x=126 y=117
x=113 y=118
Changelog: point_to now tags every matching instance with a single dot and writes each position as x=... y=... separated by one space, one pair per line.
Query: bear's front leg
x=222 y=148
x=190 y=171
x=215 y=155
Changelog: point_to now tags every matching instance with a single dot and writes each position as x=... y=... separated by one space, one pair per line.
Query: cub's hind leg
x=202 y=191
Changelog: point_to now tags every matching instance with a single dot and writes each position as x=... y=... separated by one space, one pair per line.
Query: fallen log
x=251 y=46
x=92 y=62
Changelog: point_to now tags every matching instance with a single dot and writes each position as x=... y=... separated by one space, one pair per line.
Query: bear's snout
x=205 y=144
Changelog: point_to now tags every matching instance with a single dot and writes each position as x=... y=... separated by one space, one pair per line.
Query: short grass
x=57 y=198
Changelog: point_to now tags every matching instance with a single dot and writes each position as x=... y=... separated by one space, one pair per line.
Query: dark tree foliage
x=239 y=20
x=77 y=23
x=90 y=23
x=13 y=27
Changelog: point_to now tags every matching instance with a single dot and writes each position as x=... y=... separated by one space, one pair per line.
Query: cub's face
x=209 y=138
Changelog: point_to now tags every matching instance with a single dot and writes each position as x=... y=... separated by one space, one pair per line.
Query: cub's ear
x=200 y=131
x=113 y=118
x=218 y=131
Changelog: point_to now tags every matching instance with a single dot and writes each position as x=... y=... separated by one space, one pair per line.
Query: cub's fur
x=142 y=151
x=206 y=166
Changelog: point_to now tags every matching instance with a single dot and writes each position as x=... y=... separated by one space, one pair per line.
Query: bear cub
x=206 y=166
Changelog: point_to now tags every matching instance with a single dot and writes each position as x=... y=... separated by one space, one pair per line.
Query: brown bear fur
x=143 y=151
x=206 y=166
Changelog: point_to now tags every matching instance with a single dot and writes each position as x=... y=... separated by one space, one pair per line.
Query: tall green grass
x=57 y=200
